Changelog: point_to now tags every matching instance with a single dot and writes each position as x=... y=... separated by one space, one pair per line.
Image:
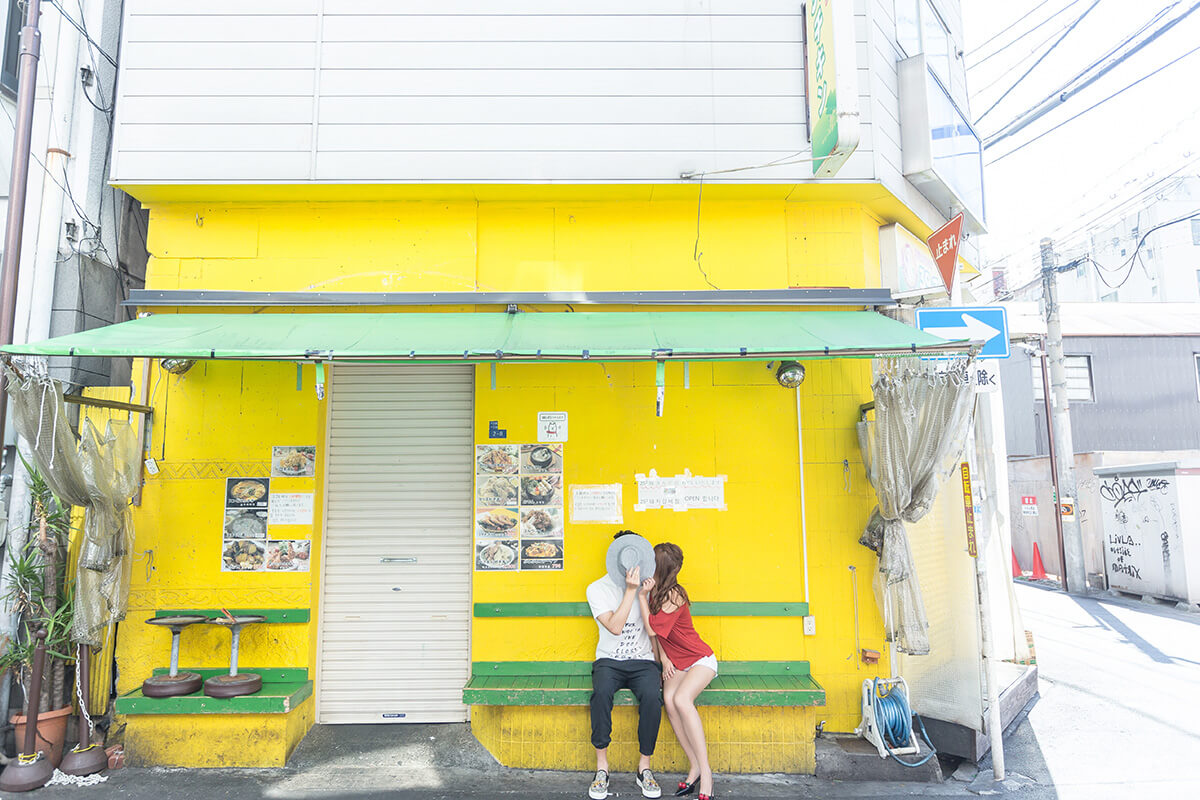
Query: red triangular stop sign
x=944 y=245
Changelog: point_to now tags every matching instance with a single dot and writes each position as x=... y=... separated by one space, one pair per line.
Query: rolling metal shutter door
x=395 y=625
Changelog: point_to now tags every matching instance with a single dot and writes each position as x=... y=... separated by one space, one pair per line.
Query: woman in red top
x=689 y=665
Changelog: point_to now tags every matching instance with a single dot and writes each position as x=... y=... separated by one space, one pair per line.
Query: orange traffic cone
x=1039 y=569
x=1016 y=566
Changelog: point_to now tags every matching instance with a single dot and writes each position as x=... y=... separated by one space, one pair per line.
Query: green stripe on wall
x=699 y=609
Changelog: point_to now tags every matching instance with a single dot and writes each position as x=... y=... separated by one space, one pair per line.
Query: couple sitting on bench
x=649 y=646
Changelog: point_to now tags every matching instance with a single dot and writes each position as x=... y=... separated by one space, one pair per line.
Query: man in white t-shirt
x=624 y=658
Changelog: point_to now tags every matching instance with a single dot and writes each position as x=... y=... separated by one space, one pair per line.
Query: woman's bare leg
x=694 y=682
x=670 y=691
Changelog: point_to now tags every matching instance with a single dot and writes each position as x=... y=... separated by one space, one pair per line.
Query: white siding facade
x=340 y=91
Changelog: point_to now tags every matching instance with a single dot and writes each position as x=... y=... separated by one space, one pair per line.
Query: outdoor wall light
x=790 y=374
x=177 y=366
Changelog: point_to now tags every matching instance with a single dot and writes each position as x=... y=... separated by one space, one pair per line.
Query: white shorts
x=707 y=661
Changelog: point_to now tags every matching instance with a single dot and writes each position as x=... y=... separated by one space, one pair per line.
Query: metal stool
x=176 y=683
x=233 y=684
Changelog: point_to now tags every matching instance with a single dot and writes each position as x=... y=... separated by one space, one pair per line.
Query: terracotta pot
x=51 y=732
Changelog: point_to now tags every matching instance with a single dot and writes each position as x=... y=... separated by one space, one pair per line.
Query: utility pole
x=31 y=45
x=1074 y=569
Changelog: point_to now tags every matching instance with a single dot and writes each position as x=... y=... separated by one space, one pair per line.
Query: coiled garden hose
x=894 y=719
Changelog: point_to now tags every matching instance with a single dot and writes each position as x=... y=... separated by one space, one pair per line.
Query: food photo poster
x=251 y=540
x=518 y=507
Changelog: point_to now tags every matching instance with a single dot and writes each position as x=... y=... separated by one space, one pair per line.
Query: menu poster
x=541 y=554
x=518 y=507
x=243 y=555
x=288 y=555
x=253 y=493
x=244 y=523
x=293 y=461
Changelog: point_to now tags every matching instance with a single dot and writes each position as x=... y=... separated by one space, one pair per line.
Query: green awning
x=492 y=336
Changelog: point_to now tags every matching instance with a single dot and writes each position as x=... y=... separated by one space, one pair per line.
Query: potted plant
x=42 y=598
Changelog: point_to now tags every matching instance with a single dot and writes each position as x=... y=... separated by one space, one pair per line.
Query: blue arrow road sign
x=982 y=323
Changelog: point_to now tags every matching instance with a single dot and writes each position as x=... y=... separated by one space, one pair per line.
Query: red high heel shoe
x=686 y=788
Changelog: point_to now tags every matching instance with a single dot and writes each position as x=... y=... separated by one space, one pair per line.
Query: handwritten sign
x=684 y=492
x=1143 y=545
x=290 y=509
x=596 y=504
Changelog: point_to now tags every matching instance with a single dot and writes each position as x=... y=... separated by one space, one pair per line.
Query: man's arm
x=614 y=621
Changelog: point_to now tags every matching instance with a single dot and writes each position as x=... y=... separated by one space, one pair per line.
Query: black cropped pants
x=644 y=679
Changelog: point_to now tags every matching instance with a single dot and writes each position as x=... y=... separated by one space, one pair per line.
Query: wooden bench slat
x=273 y=615
x=273 y=698
x=764 y=683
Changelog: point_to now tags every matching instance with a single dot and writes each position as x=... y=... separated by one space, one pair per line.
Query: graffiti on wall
x=1142 y=540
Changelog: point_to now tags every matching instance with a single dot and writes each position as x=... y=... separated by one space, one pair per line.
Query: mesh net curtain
x=923 y=412
x=97 y=472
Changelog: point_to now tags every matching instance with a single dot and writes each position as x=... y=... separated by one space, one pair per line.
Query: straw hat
x=629 y=551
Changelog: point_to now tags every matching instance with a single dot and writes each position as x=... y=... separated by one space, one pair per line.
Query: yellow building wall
x=217 y=421
x=518 y=244
x=220 y=420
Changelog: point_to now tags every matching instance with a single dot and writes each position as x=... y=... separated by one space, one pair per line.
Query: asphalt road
x=1119 y=717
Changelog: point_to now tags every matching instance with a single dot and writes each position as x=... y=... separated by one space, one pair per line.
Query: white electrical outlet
x=810 y=626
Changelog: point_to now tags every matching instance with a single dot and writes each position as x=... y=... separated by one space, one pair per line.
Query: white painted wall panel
x=470 y=90
x=209 y=28
x=505 y=28
x=217 y=83
x=557 y=83
x=219 y=138
x=527 y=111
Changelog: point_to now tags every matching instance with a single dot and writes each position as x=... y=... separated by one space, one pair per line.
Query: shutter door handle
x=406 y=560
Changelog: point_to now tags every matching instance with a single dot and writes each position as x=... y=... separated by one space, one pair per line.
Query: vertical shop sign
x=969 y=510
x=832 y=84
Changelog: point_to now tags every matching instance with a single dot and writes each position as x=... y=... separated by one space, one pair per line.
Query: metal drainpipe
x=31 y=45
x=27 y=65
x=1062 y=557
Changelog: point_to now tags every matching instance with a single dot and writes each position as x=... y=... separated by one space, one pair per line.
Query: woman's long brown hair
x=668 y=560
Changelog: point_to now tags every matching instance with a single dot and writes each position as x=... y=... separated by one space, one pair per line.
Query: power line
x=83 y=32
x=1041 y=58
x=1061 y=96
x=1129 y=262
x=992 y=55
x=1093 y=106
x=1034 y=53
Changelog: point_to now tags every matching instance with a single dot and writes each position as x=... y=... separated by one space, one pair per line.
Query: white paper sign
x=290 y=509
x=596 y=503
x=680 y=493
x=987 y=378
x=552 y=426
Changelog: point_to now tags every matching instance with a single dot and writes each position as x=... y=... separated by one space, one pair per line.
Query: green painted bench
x=283 y=689
x=569 y=683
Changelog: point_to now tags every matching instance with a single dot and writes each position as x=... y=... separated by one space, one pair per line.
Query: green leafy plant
x=39 y=593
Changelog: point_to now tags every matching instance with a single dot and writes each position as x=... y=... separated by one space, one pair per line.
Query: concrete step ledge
x=849 y=758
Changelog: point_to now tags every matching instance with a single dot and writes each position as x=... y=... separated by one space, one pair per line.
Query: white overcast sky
x=1054 y=186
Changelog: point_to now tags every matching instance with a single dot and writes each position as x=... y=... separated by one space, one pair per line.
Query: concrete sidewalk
x=435 y=761
x=1117 y=718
